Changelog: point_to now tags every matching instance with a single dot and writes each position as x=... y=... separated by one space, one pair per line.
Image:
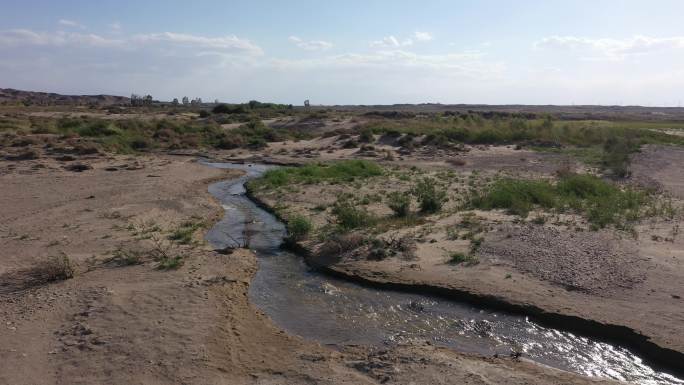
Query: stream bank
x=338 y=312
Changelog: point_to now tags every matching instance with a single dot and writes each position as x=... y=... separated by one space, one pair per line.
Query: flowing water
x=337 y=312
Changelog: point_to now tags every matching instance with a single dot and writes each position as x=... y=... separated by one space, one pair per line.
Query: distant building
x=306 y=103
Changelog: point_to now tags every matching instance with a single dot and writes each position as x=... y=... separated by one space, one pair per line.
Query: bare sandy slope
x=136 y=324
x=661 y=166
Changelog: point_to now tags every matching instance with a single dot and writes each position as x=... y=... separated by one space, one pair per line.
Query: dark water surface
x=334 y=311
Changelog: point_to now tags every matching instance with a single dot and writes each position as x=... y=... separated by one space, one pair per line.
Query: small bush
x=400 y=203
x=183 y=234
x=228 y=109
x=366 y=136
x=348 y=217
x=616 y=153
x=298 y=228
x=457 y=258
x=125 y=258
x=517 y=196
x=338 y=244
x=430 y=196
x=55 y=268
x=170 y=263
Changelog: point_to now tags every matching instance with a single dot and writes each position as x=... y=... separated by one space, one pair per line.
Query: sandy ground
x=613 y=277
x=136 y=324
x=660 y=167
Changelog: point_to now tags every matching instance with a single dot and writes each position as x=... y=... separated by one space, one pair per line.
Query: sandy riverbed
x=136 y=324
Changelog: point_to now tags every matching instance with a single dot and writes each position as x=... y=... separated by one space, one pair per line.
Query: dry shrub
x=340 y=244
x=55 y=268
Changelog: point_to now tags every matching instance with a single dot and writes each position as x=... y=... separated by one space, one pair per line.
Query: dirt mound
x=589 y=262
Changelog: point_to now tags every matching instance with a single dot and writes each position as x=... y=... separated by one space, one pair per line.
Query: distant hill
x=12 y=96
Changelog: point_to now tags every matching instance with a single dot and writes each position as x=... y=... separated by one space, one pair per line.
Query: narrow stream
x=337 y=312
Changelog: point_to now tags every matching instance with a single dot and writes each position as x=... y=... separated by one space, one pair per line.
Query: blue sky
x=351 y=52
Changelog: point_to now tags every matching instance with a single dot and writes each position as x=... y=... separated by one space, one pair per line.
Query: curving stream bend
x=337 y=312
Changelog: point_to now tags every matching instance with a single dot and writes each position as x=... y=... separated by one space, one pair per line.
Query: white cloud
x=392 y=42
x=165 y=41
x=422 y=36
x=468 y=64
x=22 y=37
x=226 y=43
x=70 y=23
x=613 y=49
x=310 y=45
x=115 y=26
x=389 y=42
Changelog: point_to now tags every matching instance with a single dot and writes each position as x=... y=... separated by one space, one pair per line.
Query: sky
x=350 y=52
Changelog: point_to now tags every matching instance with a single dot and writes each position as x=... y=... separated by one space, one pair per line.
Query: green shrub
x=348 y=217
x=228 y=109
x=457 y=258
x=123 y=257
x=344 y=171
x=430 y=196
x=603 y=203
x=616 y=154
x=183 y=234
x=400 y=203
x=366 y=136
x=170 y=263
x=298 y=228
x=517 y=196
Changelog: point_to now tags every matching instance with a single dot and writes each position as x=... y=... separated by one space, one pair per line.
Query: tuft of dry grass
x=54 y=268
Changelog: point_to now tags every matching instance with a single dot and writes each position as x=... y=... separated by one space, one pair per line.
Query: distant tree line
x=242 y=108
x=138 y=100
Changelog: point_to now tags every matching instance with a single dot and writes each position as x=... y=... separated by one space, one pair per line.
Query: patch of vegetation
x=338 y=172
x=349 y=217
x=122 y=257
x=183 y=234
x=616 y=154
x=134 y=135
x=55 y=268
x=366 y=136
x=606 y=143
x=298 y=228
x=400 y=203
x=430 y=196
x=603 y=203
x=166 y=254
x=519 y=197
x=170 y=263
x=337 y=244
x=458 y=258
